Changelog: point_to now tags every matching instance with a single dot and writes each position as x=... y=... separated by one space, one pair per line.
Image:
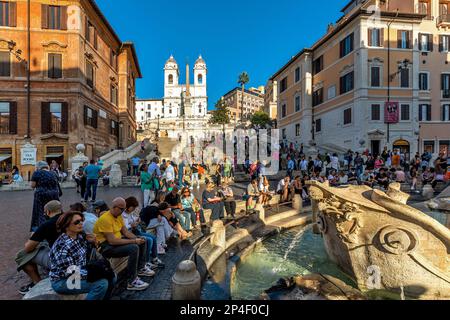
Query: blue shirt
x=92 y=171
x=291 y=165
x=153 y=166
x=135 y=161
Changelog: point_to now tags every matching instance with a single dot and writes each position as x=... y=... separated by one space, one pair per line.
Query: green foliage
x=243 y=78
x=260 y=118
x=221 y=115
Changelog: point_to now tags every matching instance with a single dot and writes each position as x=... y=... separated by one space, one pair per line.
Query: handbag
x=99 y=268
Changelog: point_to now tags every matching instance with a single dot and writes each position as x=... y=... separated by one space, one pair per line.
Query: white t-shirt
x=281 y=185
x=89 y=221
x=129 y=219
x=170 y=173
x=334 y=162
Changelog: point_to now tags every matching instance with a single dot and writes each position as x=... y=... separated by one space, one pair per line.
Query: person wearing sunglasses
x=116 y=241
x=192 y=206
x=68 y=260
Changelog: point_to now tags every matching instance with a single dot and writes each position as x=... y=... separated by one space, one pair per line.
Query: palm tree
x=243 y=80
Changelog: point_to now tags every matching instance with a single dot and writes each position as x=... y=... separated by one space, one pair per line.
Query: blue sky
x=233 y=36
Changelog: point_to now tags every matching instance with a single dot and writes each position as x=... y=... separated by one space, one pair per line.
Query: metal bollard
x=186 y=282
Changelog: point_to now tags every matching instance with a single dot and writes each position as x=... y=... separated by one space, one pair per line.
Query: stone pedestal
x=115 y=176
x=428 y=192
x=297 y=204
x=78 y=160
x=186 y=282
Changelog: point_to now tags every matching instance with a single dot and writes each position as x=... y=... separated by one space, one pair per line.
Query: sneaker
x=137 y=285
x=158 y=262
x=25 y=289
x=161 y=250
x=151 y=266
x=146 y=272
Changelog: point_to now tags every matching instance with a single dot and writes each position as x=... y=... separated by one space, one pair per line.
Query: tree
x=260 y=118
x=243 y=80
x=221 y=115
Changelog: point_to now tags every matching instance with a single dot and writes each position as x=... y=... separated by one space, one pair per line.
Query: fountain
x=384 y=244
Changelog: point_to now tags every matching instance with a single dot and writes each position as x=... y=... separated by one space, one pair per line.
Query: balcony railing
x=445 y=94
x=443 y=20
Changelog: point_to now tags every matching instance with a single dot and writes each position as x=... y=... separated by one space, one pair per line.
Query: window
x=283 y=85
x=444 y=43
x=54 y=17
x=347 y=83
x=8 y=118
x=331 y=93
x=283 y=133
x=8 y=14
x=425 y=42
x=297 y=104
x=318 y=125
x=114 y=92
x=297 y=130
x=376 y=112
x=404 y=40
x=283 y=110
x=113 y=59
x=55 y=65
x=115 y=128
x=54 y=117
x=297 y=74
x=404 y=78
x=424 y=9
x=423 y=81
x=90 y=117
x=445 y=85
x=445 y=112
x=346 y=45
x=425 y=112
x=318 y=97
x=200 y=79
x=5 y=64
x=89 y=74
x=428 y=146
x=375 y=72
x=347 y=116
x=404 y=112
x=91 y=33
x=375 y=37
x=317 y=65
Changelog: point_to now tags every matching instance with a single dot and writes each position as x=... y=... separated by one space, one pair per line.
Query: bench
x=44 y=291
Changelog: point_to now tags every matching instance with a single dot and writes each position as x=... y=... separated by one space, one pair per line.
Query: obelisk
x=187 y=97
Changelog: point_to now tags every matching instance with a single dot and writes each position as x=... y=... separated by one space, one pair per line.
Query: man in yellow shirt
x=117 y=242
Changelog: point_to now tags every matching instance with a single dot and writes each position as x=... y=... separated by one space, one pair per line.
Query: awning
x=4 y=157
x=401 y=143
x=54 y=155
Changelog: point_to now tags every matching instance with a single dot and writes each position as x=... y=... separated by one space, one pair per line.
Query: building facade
x=336 y=92
x=253 y=101
x=171 y=106
x=271 y=98
x=82 y=83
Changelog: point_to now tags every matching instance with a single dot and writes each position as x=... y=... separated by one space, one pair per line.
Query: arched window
x=170 y=79
x=200 y=79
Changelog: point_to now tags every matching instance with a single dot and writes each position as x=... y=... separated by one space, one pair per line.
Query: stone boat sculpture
x=381 y=242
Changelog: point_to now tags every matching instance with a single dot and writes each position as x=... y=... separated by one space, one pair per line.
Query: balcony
x=443 y=20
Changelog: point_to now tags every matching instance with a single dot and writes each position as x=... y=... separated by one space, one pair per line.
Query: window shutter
x=430 y=42
x=399 y=38
x=341 y=48
x=95 y=39
x=5 y=64
x=85 y=115
x=64 y=18
x=420 y=42
x=410 y=40
x=382 y=37
x=441 y=44
x=65 y=118
x=45 y=118
x=51 y=65
x=44 y=16
x=95 y=118
x=420 y=112
x=13 y=117
x=370 y=31
x=57 y=65
x=12 y=14
x=428 y=112
x=86 y=29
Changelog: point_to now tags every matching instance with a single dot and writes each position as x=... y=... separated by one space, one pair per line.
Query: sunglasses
x=121 y=208
x=77 y=222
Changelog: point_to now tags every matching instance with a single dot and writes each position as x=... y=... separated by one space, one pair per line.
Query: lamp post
x=389 y=69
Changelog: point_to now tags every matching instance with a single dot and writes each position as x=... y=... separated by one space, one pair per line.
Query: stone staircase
x=166 y=146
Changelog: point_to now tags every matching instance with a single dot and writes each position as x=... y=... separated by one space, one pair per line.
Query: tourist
x=212 y=202
x=181 y=173
x=228 y=200
x=133 y=224
x=253 y=194
x=396 y=158
x=318 y=164
x=147 y=186
x=359 y=164
x=413 y=177
x=37 y=248
x=297 y=186
x=290 y=167
x=70 y=253
x=194 y=175
x=155 y=173
x=129 y=167
x=400 y=175
x=379 y=163
x=284 y=190
x=382 y=178
x=333 y=178
x=192 y=206
x=370 y=163
x=447 y=175
x=367 y=179
x=15 y=175
x=142 y=146
x=135 y=163
x=153 y=217
x=169 y=175
x=303 y=166
x=106 y=179
x=117 y=242
x=83 y=180
x=227 y=168
x=47 y=188
x=174 y=201
x=352 y=176
x=343 y=178
x=77 y=176
x=90 y=218
x=92 y=172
